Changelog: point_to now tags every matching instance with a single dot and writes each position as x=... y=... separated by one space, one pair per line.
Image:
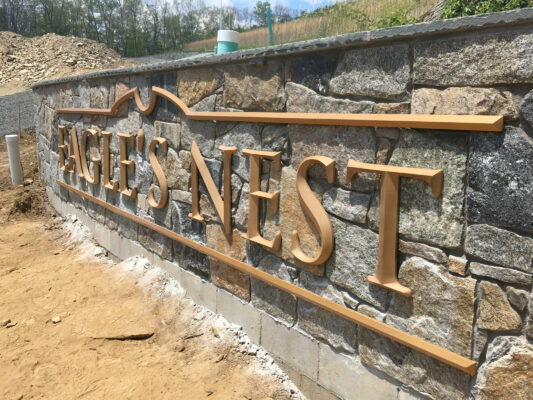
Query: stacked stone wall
x=467 y=255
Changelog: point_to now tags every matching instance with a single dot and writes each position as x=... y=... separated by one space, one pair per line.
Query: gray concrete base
x=316 y=369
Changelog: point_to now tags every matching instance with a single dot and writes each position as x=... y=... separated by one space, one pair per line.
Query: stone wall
x=467 y=255
x=11 y=107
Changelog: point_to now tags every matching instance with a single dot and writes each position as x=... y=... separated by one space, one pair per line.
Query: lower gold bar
x=439 y=353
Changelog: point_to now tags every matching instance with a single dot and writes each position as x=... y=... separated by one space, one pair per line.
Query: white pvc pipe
x=17 y=178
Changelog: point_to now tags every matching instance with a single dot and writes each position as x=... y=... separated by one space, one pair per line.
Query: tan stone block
x=422 y=250
x=120 y=90
x=507 y=373
x=195 y=84
x=464 y=100
x=495 y=312
x=255 y=87
x=291 y=218
x=222 y=274
x=457 y=265
x=441 y=309
x=391 y=108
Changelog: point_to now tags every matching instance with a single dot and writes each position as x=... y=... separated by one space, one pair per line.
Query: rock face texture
x=495 y=312
x=507 y=373
x=500 y=181
x=467 y=100
x=381 y=72
x=467 y=254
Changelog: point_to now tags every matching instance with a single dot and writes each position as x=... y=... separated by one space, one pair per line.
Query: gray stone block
x=164 y=109
x=501 y=274
x=338 y=332
x=382 y=72
x=499 y=179
x=492 y=58
x=169 y=131
x=355 y=258
x=347 y=377
x=184 y=255
x=338 y=142
x=201 y=132
x=155 y=242
x=302 y=99
x=351 y=206
x=424 y=217
x=313 y=72
x=499 y=246
x=275 y=302
x=412 y=368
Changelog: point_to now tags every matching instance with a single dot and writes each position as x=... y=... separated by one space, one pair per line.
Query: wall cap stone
x=397 y=33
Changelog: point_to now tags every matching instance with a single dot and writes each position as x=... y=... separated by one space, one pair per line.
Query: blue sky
x=297 y=4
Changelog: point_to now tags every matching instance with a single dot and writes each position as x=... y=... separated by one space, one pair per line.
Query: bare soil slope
x=74 y=325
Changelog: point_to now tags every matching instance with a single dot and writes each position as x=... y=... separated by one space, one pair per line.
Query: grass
x=342 y=17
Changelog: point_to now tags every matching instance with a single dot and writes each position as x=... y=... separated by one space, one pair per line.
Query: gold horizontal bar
x=439 y=353
x=486 y=123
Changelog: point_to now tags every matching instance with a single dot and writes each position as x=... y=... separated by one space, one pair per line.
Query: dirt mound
x=29 y=199
x=25 y=60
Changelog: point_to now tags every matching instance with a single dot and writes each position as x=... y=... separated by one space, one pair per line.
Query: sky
x=296 y=4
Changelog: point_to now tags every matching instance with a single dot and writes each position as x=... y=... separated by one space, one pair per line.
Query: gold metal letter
x=126 y=164
x=223 y=208
x=256 y=194
x=314 y=210
x=388 y=215
x=160 y=175
x=96 y=160
x=106 y=169
x=62 y=131
x=74 y=154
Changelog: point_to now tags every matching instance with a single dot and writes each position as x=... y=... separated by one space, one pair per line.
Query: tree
x=260 y=12
x=283 y=14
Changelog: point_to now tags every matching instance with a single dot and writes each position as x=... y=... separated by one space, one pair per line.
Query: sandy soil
x=74 y=325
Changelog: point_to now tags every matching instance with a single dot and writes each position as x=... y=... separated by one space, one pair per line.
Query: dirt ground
x=74 y=325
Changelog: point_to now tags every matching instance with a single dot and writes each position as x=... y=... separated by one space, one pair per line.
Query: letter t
x=388 y=215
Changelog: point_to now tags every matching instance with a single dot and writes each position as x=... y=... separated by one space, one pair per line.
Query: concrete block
x=55 y=201
x=173 y=269
x=102 y=235
x=294 y=375
x=114 y=240
x=86 y=220
x=67 y=209
x=132 y=248
x=290 y=345
x=51 y=197
x=236 y=311
x=126 y=247
x=201 y=292
x=346 y=375
x=312 y=390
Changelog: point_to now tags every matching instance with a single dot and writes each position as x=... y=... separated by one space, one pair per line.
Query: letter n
x=222 y=207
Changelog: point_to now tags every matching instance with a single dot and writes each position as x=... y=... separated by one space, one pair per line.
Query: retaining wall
x=10 y=106
x=467 y=254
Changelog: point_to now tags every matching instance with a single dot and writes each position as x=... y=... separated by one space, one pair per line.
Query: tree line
x=134 y=28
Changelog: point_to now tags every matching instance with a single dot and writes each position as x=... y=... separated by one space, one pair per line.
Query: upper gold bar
x=483 y=123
